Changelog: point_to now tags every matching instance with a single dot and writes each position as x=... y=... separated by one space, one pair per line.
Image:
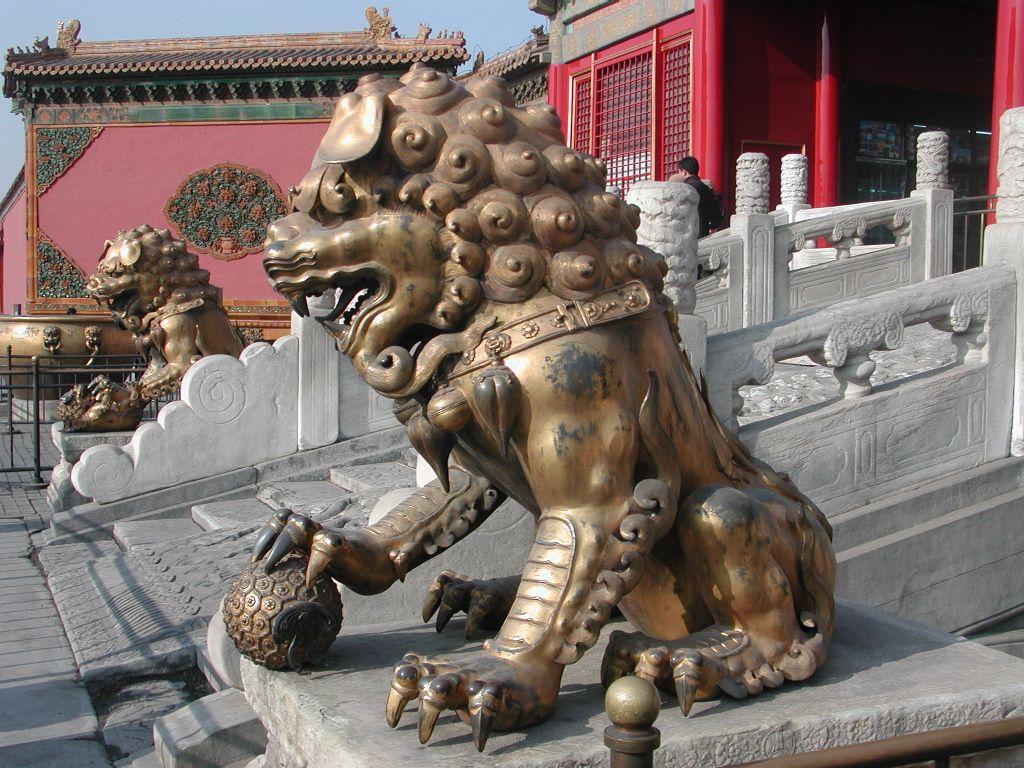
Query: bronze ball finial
x=632 y=703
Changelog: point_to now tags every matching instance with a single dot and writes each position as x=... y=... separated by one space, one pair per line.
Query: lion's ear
x=355 y=128
x=130 y=252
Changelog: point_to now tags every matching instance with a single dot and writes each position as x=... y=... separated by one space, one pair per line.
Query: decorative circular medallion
x=224 y=210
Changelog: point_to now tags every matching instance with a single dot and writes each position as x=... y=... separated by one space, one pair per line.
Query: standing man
x=709 y=211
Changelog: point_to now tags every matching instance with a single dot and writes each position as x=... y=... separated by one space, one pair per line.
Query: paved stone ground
x=46 y=714
x=17 y=499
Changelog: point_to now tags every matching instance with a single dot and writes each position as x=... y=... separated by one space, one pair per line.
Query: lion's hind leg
x=747 y=552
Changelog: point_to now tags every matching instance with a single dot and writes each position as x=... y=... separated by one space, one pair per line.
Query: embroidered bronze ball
x=275 y=620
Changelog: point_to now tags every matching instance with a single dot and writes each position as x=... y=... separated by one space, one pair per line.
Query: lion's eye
x=130 y=252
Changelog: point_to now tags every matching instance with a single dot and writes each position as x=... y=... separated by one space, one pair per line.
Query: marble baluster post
x=933 y=185
x=793 y=183
x=755 y=225
x=1004 y=244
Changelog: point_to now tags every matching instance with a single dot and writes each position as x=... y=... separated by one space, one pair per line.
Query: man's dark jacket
x=709 y=211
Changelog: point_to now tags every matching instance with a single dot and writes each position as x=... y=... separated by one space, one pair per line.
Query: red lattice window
x=582 y=114
x=631 y=104
x=622 y=119
x=675 y=77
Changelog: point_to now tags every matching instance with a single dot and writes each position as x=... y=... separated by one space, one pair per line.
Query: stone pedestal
x=71 y=445
x=885 y=677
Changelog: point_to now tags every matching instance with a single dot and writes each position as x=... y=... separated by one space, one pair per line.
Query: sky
x=490 y=25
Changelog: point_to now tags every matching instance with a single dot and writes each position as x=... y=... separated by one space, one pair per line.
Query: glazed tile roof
x=534 y=52
x=235 y=54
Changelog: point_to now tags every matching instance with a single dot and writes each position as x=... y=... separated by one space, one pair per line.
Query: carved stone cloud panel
x=233 y=413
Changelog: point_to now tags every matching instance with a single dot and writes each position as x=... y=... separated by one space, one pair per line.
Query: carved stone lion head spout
x=435 y=207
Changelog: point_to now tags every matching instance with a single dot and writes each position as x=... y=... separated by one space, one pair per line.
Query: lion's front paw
x=485 y=601
x=488 y=692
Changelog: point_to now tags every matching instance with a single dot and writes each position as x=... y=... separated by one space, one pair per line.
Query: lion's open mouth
x=123 y=305
x=357 y=296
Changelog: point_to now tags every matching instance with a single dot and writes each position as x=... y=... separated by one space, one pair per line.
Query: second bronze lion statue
x=155 y=289
x=489 y=284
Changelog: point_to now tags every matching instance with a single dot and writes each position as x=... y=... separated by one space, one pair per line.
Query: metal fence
x=970 y=217
x=31 y=387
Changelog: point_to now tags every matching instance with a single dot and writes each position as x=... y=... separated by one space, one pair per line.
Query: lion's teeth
x=300 y=304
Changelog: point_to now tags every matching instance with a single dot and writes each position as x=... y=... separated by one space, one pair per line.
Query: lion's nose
x=281 y=230
x=275 y=250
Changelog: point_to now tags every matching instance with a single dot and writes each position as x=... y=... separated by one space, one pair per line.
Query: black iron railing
x=31 y=386
x=970 y=217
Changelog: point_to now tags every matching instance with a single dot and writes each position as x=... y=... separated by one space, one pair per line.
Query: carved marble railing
x=853 y=270
x=275 y=400
x=720 y=289
x=770 y=263
x=874 y=438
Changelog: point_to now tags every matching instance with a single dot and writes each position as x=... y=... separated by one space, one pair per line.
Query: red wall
x=129 y=172
x=772 y=59
x=15 y=256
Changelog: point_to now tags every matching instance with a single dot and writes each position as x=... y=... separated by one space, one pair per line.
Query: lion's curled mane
x=518 y=211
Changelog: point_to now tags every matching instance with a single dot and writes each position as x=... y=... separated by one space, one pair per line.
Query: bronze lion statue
x=488 y=283
x=155 y=289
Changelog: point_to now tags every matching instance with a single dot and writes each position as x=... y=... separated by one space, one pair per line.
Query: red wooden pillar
x=1008 y=79
x=709 y=135
x=558 y=94
x=826 y=111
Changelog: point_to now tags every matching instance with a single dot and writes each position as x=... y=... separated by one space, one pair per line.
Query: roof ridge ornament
x=381 y=27
x=67 y=35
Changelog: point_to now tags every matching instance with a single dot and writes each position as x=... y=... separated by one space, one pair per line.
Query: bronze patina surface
x=487 y=282
x=155 y=289
x=276 y=619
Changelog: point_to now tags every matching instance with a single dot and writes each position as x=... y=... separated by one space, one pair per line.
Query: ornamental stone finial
x=67 y=35
x=752 y=183
x=933 y=160
x=794 y=179
x=1010 y=201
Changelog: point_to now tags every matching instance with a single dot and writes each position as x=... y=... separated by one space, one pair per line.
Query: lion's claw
x=485 y=601
x=487 y=692
x=718 y=657
x=268 y=533
x=482 y=707
x=286 y=532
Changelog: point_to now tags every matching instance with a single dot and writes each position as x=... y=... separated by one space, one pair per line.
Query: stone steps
x=308 y=497
x=92 y=521
x=237 y=513
x=364 y=477
x=315 y=464
x=925 y=502
x=136 y=533
x=950 y=571
x=217 y=730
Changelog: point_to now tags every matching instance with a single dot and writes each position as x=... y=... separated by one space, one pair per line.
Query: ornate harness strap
x=170 y=310
x=627 y=301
